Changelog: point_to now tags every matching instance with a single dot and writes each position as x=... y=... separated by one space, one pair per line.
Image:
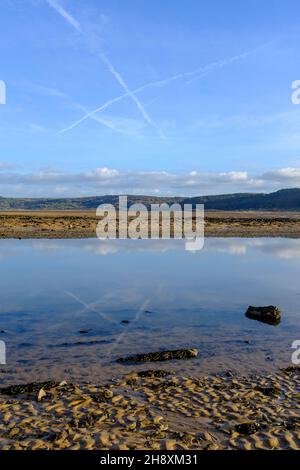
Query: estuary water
x=70 y=308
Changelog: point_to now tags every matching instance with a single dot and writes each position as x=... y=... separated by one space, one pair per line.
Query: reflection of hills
x=285 y=199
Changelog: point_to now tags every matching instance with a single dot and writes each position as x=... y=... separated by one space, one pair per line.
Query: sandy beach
x=155 y=410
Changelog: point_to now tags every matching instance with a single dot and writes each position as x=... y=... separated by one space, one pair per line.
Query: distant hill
x=285 y=200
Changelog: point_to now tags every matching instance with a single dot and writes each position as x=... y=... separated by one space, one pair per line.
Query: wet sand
x=82 y=224
x=156 y=411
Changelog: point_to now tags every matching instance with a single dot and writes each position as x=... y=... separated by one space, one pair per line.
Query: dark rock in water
x=270 y=315
x=247 y=428
x=153 y=373
x=125 y=322
x=85 y=332
x=161 y=356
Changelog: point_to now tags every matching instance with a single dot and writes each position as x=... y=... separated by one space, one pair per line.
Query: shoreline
x=82 y=224
x=156 y=410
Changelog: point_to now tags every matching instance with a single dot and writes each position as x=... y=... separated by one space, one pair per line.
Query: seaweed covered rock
x=291 y=370
x=153 y=373
x=270 y=314
x=247 y=429
x=161 y=356
x=34 y=388
x=28 y=389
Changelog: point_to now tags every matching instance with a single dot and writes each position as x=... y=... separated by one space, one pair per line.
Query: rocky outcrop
x=270 y=315
x=161 y=356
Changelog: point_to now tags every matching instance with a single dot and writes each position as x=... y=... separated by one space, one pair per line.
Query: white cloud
x=100 y=181
x=283 y=174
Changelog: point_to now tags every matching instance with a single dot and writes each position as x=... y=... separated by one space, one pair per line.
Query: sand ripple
x=172 y=412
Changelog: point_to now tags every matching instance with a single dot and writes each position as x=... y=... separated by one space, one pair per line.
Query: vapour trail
x=220 y=64
x=90 y=307
x=101 y=120
x=198 y=73
x=54 y=4
x=139 y=312
x=75 y=24
x=131 y=94
x=125 y=332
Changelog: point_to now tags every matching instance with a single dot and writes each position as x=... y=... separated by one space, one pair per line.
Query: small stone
x=131 y=426
x=108 y=393
x=41 y=394
x=212 y=446
x=116 y=399
x=163 y=427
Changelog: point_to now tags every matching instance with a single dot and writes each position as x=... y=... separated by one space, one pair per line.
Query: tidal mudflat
x=71 y=308
x=82 y=224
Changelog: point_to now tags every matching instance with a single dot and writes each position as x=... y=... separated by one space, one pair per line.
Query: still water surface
x=63 y=303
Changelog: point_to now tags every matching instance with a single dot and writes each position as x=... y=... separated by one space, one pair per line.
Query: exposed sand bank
x=157 y=412
x=82 y=224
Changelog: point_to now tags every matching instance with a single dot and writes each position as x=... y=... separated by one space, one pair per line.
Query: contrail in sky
x=107 y=122
x=191 y=76
x=130 y=93
x=73 y=22
x=220 y=64
x=196 y=74
x=102 y=107
x=54 y=4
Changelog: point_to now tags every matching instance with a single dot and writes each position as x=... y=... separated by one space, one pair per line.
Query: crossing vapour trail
x=195 y=74
x=100 y=119
x=75 y=24
x=124 y=333
x=131 y=94
x=190 y=76
x=106 y=105
x=90 y=307
x=145 y=304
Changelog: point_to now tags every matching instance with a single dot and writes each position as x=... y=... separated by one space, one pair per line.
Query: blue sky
x=196 y=97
